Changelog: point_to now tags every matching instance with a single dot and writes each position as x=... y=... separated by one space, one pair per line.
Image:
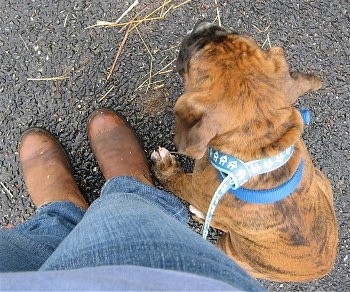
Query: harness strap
x=234 y=173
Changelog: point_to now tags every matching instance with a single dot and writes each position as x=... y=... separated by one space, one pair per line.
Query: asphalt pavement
x=54 y=68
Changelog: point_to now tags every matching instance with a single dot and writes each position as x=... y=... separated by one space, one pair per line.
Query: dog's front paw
x=165 y=164
x=196 y=214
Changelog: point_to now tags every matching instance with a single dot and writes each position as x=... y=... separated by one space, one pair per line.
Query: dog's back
x=239 y=100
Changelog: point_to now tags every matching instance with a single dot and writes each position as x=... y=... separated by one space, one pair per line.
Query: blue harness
x=234 y=173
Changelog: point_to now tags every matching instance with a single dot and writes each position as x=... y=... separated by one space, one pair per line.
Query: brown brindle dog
x=239 y=100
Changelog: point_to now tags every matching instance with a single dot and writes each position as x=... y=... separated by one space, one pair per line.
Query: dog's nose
x=202 y=25
x=203 y=33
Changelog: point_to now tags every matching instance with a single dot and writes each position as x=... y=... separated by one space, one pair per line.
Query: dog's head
x=231 y=84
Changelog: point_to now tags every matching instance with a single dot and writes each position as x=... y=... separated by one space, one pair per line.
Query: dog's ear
x=302 y=83
x=293 y=84
x=192 y=130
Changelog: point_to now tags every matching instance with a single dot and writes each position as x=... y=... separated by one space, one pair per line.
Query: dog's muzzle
x=203 y=33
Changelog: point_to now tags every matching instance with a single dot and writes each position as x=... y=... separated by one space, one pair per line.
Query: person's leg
x=136 y=224
x=26 y=246
x=133 y=223
x=61 y=206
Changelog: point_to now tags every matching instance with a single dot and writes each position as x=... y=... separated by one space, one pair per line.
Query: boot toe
x=116 y=146
x=47 y=170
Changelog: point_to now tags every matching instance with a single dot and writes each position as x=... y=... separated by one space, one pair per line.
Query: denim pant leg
x=135 y=224
x=26 y=246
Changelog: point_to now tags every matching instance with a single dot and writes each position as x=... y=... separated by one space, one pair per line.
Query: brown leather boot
x=117 y=149
x=46 y=169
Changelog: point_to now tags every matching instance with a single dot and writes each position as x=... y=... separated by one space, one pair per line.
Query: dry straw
x=6 y=189
x=160 y=10
x=267 y=40
x=158 y=13
x=217 y=12
x=55 y=78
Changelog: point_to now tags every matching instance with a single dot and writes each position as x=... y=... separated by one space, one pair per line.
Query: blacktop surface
x=53 y=39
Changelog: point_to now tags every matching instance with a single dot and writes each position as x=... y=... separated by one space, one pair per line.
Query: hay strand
x=151 y=58
x=24 y=42
x=63 y=77
x=165 y=7
x=151 y=13
x=118 y=53
x=267 y=41
x=127 y=11
x=108 y=92
x=262 y=30
x=6 y=189
x=217 y=12
x=183 y=3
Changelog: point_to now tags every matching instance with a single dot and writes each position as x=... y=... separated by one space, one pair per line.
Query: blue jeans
x=130 y=224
